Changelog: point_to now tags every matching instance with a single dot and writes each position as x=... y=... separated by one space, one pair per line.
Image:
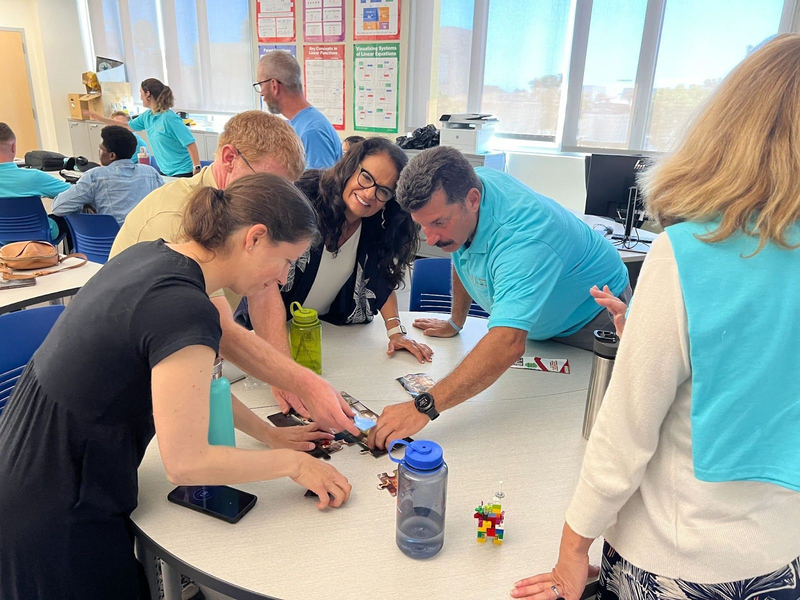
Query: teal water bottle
x=220 y=422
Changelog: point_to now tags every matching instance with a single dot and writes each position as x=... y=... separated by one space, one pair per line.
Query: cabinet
x=212 y=139
x=94 y=140
x=79 y=138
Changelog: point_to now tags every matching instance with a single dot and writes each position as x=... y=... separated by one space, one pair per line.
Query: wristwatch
x=197 y=167
x=424 y=403
x=398 y=329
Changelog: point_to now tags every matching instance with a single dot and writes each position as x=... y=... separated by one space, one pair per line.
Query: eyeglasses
x=367 y=181
x=247 y=162
x=257 y=85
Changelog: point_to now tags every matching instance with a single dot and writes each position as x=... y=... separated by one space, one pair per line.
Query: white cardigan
x=637 y=484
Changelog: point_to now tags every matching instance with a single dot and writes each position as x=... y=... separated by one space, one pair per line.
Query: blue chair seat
x=22 y=333
x=92 y=235
x=24 y=219
x=431 y=288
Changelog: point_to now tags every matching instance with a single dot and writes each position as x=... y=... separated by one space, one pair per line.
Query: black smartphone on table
x=16 y=283
x=220 y=501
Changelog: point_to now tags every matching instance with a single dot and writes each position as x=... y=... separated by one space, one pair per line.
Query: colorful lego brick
x=497 y=542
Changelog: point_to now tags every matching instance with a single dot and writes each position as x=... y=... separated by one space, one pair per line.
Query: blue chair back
x=205 y=163
x=22 y=333
x=23 y=219
x=92 y=235
x=154 y=164
x=431 y=287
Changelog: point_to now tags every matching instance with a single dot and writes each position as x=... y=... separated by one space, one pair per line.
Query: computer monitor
x=611 y=189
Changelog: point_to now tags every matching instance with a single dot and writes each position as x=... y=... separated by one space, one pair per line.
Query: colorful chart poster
x=376 y=19
x=324 y=81
x=323 y=21
x=376 y=78
x=275 y=21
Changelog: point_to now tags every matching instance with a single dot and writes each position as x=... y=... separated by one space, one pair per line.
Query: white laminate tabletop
x=524 y=430
x=49 y=287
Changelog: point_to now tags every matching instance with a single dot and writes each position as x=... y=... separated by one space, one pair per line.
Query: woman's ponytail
x=161 y=94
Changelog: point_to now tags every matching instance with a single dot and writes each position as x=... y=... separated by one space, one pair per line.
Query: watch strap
x=395 y=330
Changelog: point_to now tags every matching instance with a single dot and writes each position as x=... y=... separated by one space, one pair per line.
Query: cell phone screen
x=221 y=501
x=16 y=283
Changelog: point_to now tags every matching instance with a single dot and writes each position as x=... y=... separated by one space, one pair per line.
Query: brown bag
x=32 y=255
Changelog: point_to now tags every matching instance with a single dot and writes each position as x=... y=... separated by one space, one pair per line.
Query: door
x=94 y=141
x=16 y=103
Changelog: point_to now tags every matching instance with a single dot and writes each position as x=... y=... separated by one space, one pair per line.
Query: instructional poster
x=376 y=19
x=275 y=21
x=324 y=81
x=376 y=76
x=323 y=21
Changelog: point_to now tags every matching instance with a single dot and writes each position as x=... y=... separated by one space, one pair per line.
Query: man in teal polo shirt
x=525 y=259
x=21 y=183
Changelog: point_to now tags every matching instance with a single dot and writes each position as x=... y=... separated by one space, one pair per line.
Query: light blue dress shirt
x=531 y=262
x=322 y=144
x=113 y=190
x=169 y=138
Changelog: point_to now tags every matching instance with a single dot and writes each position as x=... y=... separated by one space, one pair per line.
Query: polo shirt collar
x=8 y=165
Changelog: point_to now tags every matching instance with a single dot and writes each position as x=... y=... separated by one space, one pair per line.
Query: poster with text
x=376 y=19
x=376 y=76
x=275 y=21
x=324 y=81
x=323 y=21
x=264 y=48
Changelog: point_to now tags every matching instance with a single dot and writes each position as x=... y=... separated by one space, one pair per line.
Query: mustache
x=443 y=243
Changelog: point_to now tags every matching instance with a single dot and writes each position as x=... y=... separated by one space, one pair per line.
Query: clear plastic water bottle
x=305 y=337
x=221 y=430
x=421 y=498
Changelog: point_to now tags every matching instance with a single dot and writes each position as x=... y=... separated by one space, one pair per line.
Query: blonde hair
x=740 y=159
x=258 y=135
x=120 y=113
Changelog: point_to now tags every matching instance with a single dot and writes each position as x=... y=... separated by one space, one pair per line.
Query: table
x=49 y=287
x=524 y=430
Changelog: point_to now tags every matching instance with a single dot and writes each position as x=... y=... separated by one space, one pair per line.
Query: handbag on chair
x=27 y=256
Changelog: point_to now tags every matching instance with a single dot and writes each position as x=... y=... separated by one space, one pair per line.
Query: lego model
x=490 y=519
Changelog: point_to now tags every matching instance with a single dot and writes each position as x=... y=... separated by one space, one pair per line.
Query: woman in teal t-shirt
x=172 y=143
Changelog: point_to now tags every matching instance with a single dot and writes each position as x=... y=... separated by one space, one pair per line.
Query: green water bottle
x=305 y=336
x=220 y=422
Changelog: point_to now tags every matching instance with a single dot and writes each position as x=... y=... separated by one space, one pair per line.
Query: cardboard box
x=75 y=106
x=114 y=96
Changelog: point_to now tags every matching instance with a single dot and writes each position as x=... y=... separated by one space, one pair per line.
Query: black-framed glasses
x=257 y=85
x=367 y=181
x=247 y=162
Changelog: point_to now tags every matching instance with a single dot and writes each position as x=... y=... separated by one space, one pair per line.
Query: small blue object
x=421 y=455
x=454 y=326
x=363 y=423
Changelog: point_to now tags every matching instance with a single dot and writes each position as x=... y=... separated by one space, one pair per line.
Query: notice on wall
x=376 y=19
x=376 y=77
x=324 y=81
x=275 y=21
x=323 y=21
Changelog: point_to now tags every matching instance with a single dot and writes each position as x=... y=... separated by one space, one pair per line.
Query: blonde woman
x=692 y=471
x=173 y=145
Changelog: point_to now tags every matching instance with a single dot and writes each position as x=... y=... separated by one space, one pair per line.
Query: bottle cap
x=217 y=372
x=421 y=455
x=606 y=343
x=303 y=316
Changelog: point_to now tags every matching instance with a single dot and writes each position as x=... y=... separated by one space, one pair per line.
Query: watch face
x=403 y=330
x=424 y=401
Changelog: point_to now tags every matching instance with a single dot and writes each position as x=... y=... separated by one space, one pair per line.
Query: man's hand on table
x=328 y=409
x=435 y=327
x=288 y=401
x=395 y=423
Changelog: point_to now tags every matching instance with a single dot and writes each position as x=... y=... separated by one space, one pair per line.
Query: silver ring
x=555 y=590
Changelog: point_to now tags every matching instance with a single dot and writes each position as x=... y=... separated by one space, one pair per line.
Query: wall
x=23 y=14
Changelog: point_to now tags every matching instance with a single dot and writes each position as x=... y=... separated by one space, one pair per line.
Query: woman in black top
x=356 y=211
x=131 y=356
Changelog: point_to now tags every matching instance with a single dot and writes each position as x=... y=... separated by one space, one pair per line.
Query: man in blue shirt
x=281 y=86
x=526 y=260
x=116 y=187
x=20 y=183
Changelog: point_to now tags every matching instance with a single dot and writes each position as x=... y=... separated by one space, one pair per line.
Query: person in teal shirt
x=525 y=259
x=173 y=145
x=124 y=118
x=20 y=183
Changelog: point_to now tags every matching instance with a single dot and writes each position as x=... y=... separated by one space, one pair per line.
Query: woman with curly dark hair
x=367 y=244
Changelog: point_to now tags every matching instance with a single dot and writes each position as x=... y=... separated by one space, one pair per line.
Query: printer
x=468 y=132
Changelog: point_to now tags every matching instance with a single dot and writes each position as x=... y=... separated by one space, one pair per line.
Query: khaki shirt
x=160 y=214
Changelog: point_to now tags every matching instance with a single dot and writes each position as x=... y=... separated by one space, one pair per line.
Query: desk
x=49 y=287
x=524 y=430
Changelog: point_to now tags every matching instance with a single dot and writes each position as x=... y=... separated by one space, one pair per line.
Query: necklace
x=347 y=232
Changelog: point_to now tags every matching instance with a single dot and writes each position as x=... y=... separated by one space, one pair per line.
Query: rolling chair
x=22 y=333
x=430 y=288
x=24 y=219
x=92 y=235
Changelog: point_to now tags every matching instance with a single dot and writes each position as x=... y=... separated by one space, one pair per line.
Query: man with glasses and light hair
x=280 y=84
x=252 y=142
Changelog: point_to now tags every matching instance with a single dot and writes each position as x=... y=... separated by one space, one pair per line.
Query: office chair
x=24 y=219
x=430 y=288
x=92 y=235
x=22 y=333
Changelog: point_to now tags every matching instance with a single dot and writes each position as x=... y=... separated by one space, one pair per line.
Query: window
x=625 y=75
x=202 y=49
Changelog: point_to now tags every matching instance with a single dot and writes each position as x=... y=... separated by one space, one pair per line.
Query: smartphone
x=219 y=501
x=16 y=283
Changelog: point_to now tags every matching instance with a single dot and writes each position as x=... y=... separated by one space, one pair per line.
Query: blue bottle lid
x=422 y=455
